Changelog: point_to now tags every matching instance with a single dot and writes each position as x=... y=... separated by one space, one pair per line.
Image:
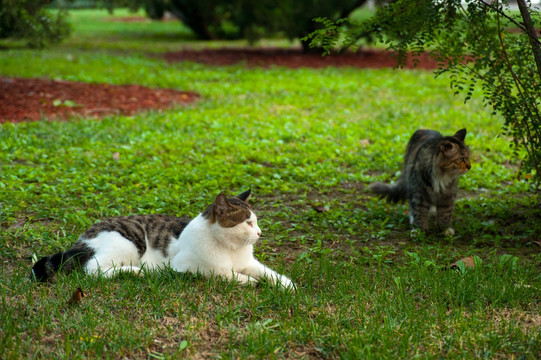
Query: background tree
x=479 y=43
x=249 y=19
x=30 y=20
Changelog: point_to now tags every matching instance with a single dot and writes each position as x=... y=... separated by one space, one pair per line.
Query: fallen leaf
x=320 y=208
x=468 y=261
x=76 y=297
x=19 y=224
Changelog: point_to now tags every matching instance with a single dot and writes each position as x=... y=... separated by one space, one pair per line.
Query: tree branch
x=534 y=41
x=519 y=25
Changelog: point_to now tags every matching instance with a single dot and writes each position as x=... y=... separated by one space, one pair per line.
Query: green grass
x=298 y=138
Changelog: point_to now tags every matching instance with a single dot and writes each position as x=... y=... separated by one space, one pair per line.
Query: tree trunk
x=530 y=30
x=191 y=17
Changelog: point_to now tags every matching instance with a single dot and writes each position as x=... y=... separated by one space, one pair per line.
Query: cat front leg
x=444 y=216
x=208 y=272
x=260 y=271
x=236 y=276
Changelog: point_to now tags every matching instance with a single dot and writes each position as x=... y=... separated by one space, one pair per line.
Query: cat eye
x=250 y=223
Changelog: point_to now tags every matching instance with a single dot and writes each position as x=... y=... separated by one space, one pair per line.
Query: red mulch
x=295 y=58
x=35 y=99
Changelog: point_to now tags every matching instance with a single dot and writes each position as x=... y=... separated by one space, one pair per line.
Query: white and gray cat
x=219 y=241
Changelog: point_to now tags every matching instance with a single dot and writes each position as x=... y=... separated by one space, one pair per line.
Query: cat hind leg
x=113 y=253
x=418 y=214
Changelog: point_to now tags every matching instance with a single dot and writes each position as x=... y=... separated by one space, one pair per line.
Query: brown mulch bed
x=295 y=58
x=35 y=99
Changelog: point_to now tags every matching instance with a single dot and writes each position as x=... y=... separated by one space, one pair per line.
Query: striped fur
x=429 y=178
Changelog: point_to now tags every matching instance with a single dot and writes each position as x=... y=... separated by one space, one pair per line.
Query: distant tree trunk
x=191 y=16
x=346 y=12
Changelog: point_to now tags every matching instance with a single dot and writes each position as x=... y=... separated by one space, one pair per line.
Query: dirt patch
x=35 y=99
x=295 y=58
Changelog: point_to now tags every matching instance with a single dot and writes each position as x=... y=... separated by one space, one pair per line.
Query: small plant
x=64 y=103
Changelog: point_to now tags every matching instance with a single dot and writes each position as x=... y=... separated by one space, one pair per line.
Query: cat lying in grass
x=429 y=178
x=219 y=241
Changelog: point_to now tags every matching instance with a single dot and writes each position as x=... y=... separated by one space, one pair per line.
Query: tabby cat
x=219 y=241
x=429 y=177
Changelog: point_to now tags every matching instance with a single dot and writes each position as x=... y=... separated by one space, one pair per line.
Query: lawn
x=301 y=139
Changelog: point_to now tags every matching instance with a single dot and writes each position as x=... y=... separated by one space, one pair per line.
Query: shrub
x=30 y=20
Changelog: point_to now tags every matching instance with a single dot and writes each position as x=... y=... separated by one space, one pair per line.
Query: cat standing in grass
x=219 y=241
x=429 y=177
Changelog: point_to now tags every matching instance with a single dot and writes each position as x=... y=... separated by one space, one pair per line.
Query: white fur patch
x=441 y=183
x=113 y=252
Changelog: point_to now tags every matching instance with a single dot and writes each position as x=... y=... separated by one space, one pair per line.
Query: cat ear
x=221 y=205
x=245 y=196
x=448 y=148
x=460 y=134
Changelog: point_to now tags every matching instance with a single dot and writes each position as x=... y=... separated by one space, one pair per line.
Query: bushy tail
x=393 y=193
x=45 y=268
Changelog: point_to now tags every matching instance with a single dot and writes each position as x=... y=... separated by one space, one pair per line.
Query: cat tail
x=46 y=267
x=392 y=193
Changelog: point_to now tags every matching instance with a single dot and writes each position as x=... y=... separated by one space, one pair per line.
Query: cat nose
x=259 y=233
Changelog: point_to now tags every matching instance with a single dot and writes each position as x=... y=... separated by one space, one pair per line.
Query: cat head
x=232 y=220
x=454 y=155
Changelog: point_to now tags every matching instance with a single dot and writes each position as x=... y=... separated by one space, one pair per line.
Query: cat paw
x=248 y=280
x=287 y=284
x=449 y=232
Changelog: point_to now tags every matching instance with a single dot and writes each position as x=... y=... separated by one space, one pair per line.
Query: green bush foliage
x=479 y=44
x=30 y=20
